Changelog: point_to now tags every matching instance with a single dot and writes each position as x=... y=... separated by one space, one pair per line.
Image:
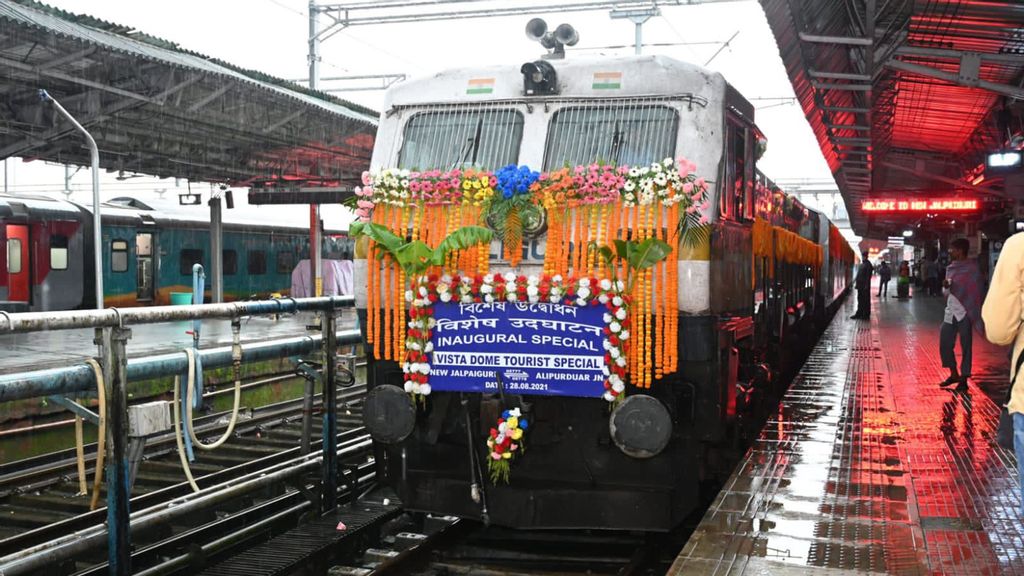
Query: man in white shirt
x=957 y=320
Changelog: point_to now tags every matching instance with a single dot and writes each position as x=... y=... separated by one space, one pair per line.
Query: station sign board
x=894 y=206
x=538 y=348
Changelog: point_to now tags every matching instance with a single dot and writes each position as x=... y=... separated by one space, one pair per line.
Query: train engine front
x=555 y=291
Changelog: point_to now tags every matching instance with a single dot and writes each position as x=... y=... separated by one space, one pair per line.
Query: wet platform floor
x=56 y=348
x=870 y=467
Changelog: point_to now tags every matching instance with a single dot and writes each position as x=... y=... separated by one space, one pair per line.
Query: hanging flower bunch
x=599 y=184
x=504 y=442
x=554 y=189
x=515 y=180
x=667 y=182
x=427 y=290
x=434 y=187
x=389 y=186
x=477 y=186
x=580 y=186
x=507 y=210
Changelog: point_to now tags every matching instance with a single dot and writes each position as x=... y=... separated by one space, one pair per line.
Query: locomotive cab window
x=256 y=262
x=118 y=256
x=229 y=259
x=462 y=138
x=627 y=133
x=58 y=252
x=736 y=199
x=188 y=257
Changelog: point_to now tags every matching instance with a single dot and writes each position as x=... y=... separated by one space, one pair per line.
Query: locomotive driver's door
x=18 y=285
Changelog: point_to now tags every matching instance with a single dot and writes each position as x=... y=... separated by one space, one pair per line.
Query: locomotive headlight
x=640 y=426
x=388 y=414
x=539 y=78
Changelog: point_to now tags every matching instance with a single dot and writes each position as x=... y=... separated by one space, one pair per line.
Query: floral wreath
x=467 y=289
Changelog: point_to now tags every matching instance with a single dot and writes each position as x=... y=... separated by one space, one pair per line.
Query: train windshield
x=457 y=138
x=627 y=133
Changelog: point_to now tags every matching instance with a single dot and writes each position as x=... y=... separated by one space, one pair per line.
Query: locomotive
x=756 y=288
x=148 y=254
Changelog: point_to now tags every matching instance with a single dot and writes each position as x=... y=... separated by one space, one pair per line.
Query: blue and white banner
x=541 y=348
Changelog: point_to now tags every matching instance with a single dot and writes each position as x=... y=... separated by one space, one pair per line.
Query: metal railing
x=112 y=335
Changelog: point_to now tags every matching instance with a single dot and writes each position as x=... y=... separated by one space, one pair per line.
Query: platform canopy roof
x=906 y=97
x=157 y=109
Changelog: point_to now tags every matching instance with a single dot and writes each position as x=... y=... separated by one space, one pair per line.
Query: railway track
x=429 y=546
x=254 y=484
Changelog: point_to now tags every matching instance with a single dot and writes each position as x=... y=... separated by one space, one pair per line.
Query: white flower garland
x=512 y=288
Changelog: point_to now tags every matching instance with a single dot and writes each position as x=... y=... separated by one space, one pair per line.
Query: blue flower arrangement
x=515 y=180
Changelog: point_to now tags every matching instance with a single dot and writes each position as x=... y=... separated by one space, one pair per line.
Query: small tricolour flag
x=607 y=80
x=480 y=86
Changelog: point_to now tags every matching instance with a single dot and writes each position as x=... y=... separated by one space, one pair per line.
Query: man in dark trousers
x=863 y=286
x=964 y=293
x=884 y=275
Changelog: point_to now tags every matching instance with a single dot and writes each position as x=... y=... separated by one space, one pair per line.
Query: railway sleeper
x=50 y=501
x=30 y=517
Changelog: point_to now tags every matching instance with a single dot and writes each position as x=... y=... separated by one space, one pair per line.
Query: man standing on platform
x=1002 y=315
x=863 y=285
x=931 y=276
x=962 y=288
x=884 y=275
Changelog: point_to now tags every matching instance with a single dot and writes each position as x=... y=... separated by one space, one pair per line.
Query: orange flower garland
x=579 y=213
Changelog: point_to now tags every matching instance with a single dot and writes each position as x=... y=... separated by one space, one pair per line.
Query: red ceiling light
x=923 y=205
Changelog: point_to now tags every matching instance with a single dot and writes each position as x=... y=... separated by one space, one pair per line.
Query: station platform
x=56 y=348
x=869 y=466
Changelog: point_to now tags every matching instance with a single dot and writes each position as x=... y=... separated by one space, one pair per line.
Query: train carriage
x=748 y=291
x=148 y=254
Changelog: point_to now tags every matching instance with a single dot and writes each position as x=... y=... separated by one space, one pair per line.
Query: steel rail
x=70 y=545
x=41 y=535
x=32 y=474
x=238 y=536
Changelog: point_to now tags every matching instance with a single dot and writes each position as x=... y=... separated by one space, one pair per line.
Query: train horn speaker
x=536 y=29
x=566 y=35
x=640 y=426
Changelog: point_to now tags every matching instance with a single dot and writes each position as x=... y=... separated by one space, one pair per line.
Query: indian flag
x=607 y=80
x=480 y=86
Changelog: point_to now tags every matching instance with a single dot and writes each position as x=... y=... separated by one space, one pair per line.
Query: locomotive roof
x=625 y=76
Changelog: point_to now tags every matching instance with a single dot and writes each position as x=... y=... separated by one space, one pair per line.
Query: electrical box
x=149 y=418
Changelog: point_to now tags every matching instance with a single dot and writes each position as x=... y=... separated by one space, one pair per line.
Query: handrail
x=69 y=319
x=79 y=378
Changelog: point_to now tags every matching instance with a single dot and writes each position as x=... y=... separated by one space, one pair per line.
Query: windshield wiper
x=617 y=141
x=471 y=147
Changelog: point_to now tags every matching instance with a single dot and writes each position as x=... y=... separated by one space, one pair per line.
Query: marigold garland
x=585 y=206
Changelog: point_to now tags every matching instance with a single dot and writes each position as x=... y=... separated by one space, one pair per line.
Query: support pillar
x=330 y=409
x=115 y=373
x=313 y=58
x=315 y=265
x=216 y=251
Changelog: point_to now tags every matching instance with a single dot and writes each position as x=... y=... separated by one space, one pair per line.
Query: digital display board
x=922 y=205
